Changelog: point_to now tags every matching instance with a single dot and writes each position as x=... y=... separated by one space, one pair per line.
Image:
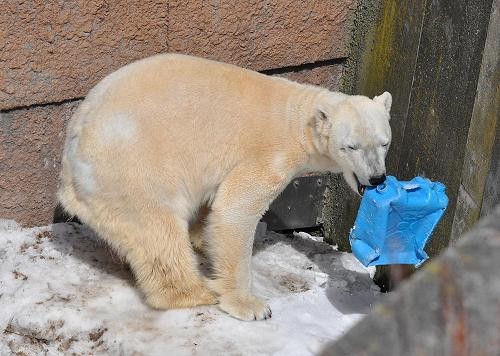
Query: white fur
x=82 y=170
x=120 y=126
x=385 y=99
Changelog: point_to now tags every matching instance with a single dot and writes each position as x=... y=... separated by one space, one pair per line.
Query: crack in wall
x=304 y=66
x=40 y=105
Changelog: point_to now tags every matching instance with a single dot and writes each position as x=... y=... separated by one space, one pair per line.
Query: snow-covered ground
x=63 y=292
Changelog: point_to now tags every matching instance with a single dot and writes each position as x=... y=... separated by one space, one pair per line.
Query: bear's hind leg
x=164 y=264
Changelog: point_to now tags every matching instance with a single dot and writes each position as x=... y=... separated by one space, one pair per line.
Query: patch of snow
x=352 y=264
x=305 y=235
x=8 y=225
x=63 y=292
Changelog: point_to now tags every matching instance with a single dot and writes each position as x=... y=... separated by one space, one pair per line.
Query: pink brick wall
x=53 y=52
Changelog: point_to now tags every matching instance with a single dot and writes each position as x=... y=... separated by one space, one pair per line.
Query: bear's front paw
x=244 y=307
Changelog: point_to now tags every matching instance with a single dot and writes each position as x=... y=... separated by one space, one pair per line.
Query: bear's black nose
x=377 y=180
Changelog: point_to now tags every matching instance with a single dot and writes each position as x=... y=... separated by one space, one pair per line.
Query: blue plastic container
x=395 y=220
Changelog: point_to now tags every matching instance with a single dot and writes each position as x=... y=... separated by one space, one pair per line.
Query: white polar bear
x=174 y=151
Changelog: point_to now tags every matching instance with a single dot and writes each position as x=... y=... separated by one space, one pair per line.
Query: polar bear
x=173 y=152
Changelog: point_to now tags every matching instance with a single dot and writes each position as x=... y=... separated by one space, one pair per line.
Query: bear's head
x=354 y=132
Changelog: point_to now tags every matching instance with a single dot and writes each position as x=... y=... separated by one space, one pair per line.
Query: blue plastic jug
x=395 y=220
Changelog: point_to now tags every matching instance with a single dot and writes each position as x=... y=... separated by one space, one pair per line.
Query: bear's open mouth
x=361 y=187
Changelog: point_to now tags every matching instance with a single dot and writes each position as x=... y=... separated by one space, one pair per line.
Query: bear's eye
x=385 y=144
x=353 y=148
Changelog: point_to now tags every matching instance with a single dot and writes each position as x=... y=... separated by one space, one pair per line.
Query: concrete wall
x=479 y=186
x=53 y=52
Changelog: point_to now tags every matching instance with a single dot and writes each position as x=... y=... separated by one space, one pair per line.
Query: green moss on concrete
x=378 y=61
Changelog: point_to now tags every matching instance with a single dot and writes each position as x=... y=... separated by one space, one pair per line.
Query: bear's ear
x=320 y=115
x=322 y=123
x=384 y=99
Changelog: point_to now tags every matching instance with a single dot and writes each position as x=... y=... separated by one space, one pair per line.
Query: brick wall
x=53 y=52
